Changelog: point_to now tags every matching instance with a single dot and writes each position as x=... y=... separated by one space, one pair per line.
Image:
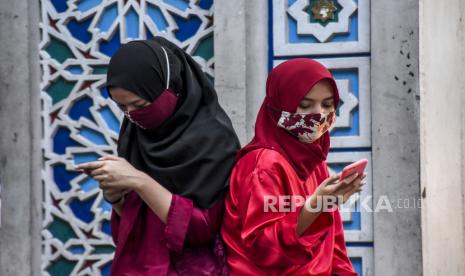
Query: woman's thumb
x=332 y=179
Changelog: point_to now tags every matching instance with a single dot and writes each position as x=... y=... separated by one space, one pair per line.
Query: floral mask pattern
x=306 y=127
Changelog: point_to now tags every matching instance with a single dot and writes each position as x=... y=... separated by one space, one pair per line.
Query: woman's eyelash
x=141 y=105
x=309 y=105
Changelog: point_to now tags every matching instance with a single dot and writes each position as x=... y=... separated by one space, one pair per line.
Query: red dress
x=266 y=243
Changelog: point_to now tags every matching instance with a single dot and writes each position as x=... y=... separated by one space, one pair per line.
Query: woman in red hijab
x=265 y=229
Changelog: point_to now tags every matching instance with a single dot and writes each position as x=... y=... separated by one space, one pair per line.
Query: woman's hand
x=333 y=190
x=330 y=192
x=115 y=174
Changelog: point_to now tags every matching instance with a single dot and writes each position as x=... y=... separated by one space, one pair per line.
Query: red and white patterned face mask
x=306 y=127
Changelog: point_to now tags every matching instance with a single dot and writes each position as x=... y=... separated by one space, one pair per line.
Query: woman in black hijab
x=176 y=149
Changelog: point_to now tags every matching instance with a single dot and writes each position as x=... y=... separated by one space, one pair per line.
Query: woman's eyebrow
x=329 y=98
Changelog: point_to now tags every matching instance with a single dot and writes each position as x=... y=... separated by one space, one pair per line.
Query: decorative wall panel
x=80 y=123
x=337 y=34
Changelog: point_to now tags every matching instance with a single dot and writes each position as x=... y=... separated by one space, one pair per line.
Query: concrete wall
x=395 y=135
x=241 y=60
x=257 y=60
x=230 y=61
x=20 y=138
x=442 y=135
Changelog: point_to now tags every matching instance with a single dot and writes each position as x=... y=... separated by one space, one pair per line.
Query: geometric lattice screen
x=337 y=34
x=78 y=37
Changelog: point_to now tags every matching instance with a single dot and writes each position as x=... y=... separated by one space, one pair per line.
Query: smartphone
x=356 y=167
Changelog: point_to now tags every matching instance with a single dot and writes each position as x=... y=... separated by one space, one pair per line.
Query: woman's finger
x=349 y=186
x=350 y=178
x=349 y=193
x=107 y=192
x=344 y=189
x=331 y=180
x=111 y=193
x=109 y=157
x=100 y=177
x=355 y=189
x=348 y=183
x=355 y=182
x=84 y=171
x=112 y=190
x=90 y=165
x=333 y=188
x=345 y=185
x=103 y=184
x=98 y=171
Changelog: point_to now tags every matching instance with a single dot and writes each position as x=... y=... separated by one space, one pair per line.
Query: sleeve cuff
x=177 y=223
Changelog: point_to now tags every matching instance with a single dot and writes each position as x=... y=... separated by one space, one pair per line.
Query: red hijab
x=286 y=86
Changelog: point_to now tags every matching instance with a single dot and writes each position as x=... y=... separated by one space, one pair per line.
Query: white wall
x=442 y=84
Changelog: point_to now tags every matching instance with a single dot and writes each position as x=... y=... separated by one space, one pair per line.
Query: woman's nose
x=130 y=108
x=316 y=109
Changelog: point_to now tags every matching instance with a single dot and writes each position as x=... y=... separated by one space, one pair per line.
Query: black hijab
x=192 y=153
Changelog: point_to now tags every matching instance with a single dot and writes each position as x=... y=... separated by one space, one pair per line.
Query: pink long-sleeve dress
x=188 y=244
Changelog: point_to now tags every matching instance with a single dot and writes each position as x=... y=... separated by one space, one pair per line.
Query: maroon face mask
x=153 y=115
